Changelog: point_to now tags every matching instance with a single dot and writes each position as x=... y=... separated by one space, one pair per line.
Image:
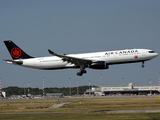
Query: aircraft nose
x=155 y=55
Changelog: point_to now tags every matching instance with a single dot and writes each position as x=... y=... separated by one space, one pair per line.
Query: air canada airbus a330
x=96 y=60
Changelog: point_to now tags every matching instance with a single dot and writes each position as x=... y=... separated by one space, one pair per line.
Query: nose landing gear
x=143 y=64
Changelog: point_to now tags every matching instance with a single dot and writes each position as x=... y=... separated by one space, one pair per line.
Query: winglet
x=51 y=52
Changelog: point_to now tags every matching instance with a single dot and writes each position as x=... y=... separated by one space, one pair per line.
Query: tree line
x=13 y=90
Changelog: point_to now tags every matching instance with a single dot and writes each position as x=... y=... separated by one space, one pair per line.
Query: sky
x=79 y=26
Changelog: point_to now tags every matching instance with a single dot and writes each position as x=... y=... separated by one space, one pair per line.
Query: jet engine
x=99 y=65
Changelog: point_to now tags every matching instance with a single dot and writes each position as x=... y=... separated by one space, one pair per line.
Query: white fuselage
x=110 y=57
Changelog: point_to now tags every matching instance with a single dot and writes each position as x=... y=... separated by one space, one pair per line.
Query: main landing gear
x=143 y=64
x=82 y=70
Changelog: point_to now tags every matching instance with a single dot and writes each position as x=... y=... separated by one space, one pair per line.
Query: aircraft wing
x=73 y=60
x=14 y=62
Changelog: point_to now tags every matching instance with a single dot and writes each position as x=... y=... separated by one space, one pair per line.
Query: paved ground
x=133 y=111
x=108 y=112
x=104 y=97
x=59 y=105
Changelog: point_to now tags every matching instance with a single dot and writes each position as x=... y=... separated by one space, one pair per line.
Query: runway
x=133 y=111
x=107 y=112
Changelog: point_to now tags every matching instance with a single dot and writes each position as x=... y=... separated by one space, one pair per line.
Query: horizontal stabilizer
x=14 y=62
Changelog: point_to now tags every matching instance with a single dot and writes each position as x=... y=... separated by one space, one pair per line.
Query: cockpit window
x=151 y=51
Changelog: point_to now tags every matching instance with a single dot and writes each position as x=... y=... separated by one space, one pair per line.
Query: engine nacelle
x=99 y=65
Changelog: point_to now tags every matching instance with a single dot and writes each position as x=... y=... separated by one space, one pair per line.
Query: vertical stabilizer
x=15 y=51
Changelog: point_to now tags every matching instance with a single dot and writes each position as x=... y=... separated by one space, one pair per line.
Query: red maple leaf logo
x=15 y=52
x=135 y=56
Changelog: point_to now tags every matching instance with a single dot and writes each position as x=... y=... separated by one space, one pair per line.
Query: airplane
x=95 y=60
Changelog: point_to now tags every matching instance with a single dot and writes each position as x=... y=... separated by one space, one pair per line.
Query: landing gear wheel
x=79 y=73
x=143 y=66
x=83 y=71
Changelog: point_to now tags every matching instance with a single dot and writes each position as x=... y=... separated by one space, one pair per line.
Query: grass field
x=82 y=116
x=90 y=108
